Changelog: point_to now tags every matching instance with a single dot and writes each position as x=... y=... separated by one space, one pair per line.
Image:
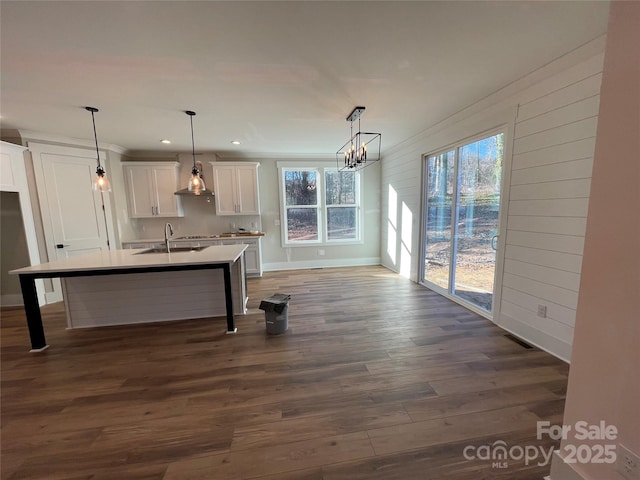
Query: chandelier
x=362 y=148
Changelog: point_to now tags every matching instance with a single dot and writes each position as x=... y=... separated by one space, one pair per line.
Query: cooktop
x=196 y=237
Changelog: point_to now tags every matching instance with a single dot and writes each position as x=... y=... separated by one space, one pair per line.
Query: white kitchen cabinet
x=150 y=189
x=252 y=255
x=235 y=185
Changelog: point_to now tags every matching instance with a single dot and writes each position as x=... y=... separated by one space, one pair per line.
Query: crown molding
x=42 y=137
x=275 y=156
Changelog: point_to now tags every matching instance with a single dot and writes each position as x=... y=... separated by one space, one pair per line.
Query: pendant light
x=101 y=182
x=196 y=185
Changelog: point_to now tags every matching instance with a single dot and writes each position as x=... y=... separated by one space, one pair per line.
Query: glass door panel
x=461 y=219
x=440 y=183
x=479 y=176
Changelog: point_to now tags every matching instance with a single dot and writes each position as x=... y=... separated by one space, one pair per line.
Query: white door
x=74 y=216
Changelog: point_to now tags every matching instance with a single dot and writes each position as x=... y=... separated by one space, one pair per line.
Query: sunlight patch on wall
x=405 y=240
x=392 y=221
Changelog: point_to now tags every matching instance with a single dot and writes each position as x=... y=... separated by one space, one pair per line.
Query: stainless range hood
x=191 y=193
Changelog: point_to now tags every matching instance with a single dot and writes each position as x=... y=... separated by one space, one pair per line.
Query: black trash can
x=276 y=309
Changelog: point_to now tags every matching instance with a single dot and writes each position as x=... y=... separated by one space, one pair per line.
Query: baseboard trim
x=540 y=339
x=561 y=470
x=306 y=264
x=11 y=300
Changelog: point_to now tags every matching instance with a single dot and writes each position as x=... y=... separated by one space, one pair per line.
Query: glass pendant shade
x=101 y=182
x=196 y=182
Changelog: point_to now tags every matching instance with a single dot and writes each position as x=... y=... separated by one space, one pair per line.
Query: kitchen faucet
x=167 y=237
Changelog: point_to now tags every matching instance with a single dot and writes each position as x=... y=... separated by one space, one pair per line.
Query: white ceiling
x=279 y=76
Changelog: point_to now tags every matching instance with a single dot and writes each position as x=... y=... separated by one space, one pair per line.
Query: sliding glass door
x=461 y=219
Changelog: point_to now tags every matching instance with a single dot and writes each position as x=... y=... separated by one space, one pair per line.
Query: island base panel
x=149 y=297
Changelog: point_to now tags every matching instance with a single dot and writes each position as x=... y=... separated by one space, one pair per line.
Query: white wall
x=553 y=112
x=604 y=385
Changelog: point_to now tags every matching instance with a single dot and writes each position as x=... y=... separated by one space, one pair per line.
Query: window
x=342 y=205
x=320 y=206
x=302 y=207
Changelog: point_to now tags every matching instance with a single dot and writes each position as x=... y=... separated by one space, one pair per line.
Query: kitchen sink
x=172 y=250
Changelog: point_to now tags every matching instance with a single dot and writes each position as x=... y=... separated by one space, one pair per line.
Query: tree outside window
x=301 y=205
x=341 y=203
x=316 y=213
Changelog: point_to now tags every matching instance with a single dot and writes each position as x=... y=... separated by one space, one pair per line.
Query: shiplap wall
x=553 y=149
x=549 y=156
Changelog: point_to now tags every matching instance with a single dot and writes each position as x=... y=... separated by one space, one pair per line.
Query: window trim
x=321 y=168
x=284 y=207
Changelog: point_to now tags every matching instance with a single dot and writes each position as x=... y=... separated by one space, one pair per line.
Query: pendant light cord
x=194 y=170
x=193 y=143
x=95 y=136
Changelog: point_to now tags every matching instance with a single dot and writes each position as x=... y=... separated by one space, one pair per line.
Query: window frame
x=322 y=207
x=284 y=207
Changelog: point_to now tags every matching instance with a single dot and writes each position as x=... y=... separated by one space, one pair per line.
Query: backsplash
x=199 y=219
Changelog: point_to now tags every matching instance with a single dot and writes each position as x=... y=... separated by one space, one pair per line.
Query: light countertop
x=131 y=258
x=187 y=238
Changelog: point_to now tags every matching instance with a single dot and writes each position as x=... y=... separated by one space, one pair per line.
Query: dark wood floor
x=376 y=378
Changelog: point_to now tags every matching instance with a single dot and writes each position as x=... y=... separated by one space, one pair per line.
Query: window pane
x=302 y=224
x=478 y=205
x=341 y=223
x=340 y=188
x=438 y=228
x=300 y=187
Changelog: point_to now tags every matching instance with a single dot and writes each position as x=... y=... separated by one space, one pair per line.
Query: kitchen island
x=120 y=287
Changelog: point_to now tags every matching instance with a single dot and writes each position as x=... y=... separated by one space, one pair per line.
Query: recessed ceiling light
x=235 y=142
x=165 y=141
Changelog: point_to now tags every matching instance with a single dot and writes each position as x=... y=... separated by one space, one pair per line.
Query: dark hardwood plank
x=376 y=378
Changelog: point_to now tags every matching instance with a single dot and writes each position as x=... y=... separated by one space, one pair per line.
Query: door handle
x=62 y=245
x=494 y=242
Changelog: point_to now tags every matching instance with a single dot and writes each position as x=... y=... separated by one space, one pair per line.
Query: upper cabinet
x=150 y=189
x=236 y=188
